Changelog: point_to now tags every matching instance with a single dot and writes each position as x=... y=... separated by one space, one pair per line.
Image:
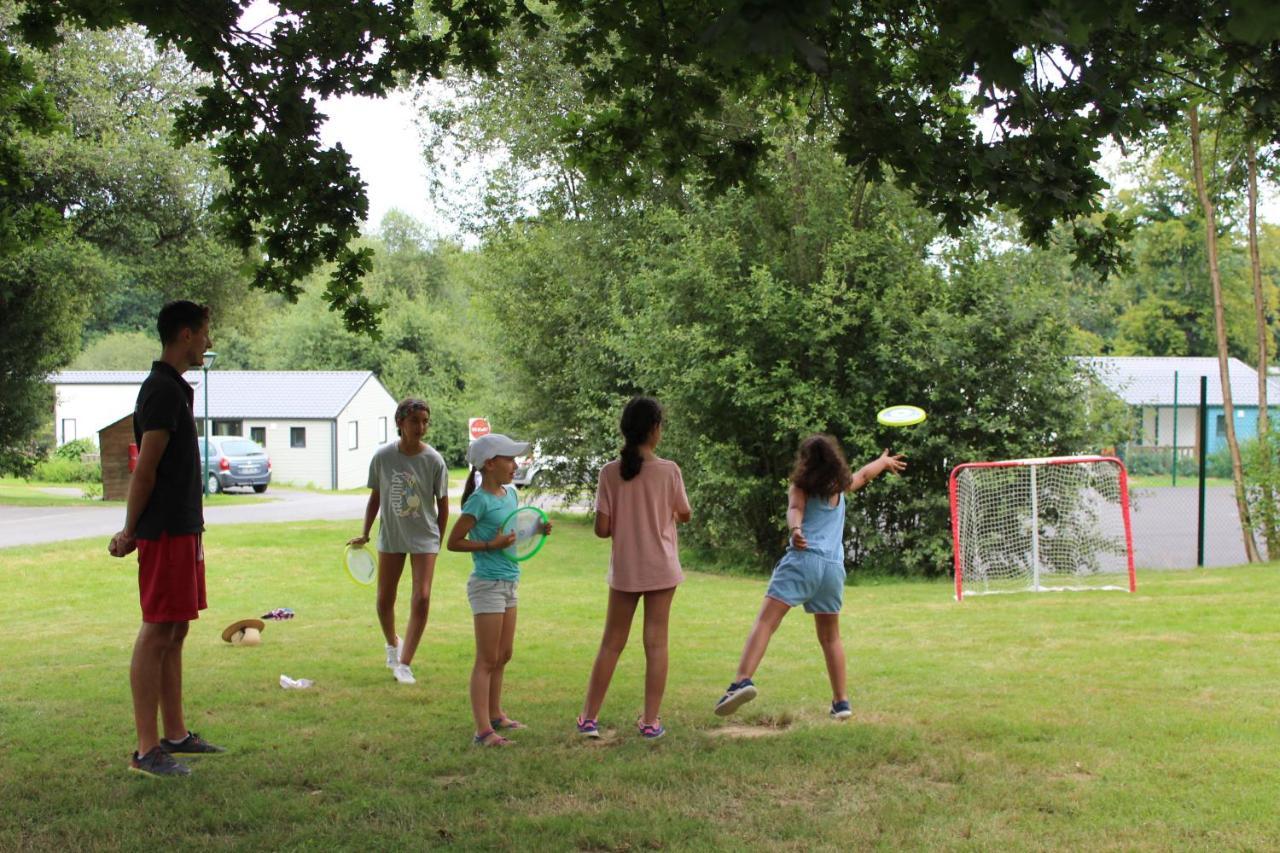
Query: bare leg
x=828 y=625
x=175 y=726
x=488 y=645
x=390 y=567
x=146 y=679
x=617 y=626
x=767 y=621
x=423 y=567
x=657 y=616
x=506 y=646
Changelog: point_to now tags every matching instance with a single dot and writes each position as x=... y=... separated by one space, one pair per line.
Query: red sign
x=479 y=427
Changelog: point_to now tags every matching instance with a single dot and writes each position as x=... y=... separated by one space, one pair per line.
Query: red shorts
x=171 y=578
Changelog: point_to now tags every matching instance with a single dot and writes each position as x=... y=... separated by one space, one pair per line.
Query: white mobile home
x=319 y=427
x=1166 y=393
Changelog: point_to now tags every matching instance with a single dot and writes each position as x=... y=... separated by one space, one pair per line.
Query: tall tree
x=128 y=222
x=665 y=84
x=30 y=309
x=1267 y=499
x=1220 y=328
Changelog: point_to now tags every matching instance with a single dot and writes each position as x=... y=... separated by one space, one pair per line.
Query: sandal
x=490 y=738
x=505 y=722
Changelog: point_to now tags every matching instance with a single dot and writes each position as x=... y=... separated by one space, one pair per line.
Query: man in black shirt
x=164 y=520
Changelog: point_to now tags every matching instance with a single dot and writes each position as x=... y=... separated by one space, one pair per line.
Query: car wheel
x=213 y=485
x=260 y=488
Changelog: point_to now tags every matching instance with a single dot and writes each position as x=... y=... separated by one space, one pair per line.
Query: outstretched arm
x=876 y=467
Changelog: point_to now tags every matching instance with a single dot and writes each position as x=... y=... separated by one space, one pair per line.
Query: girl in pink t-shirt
x=640 y=500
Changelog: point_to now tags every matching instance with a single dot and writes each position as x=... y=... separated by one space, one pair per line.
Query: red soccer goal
x=1055 y=523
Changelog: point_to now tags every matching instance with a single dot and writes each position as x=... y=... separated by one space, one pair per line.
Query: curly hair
x=821 y=468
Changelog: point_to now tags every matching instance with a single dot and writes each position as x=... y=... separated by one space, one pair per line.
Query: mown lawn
x=1064 y=721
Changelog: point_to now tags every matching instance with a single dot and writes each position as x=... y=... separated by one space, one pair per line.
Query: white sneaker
x=403 y=674
x=393 y=656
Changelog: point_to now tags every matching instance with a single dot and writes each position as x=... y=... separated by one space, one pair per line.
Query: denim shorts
x=808 y=578
x=489 y=596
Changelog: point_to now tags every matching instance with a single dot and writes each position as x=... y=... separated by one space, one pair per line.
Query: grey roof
x=102 y=377
x=299 y=394
x=1149 y=380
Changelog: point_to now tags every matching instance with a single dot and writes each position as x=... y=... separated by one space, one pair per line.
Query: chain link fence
x=1178 y=521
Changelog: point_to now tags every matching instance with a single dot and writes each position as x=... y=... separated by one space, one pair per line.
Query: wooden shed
x=115 y=440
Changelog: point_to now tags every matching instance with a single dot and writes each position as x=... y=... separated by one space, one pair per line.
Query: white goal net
x=1055 y=523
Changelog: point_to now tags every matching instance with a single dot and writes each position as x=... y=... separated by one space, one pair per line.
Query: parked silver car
x=236 y=461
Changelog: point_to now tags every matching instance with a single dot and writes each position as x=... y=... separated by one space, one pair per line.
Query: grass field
x=1057 y=721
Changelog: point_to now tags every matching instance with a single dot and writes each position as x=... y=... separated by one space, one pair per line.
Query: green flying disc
x=360 y=564
x=901 y=416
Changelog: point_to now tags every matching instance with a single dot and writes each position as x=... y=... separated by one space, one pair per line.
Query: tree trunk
x=1220 y=328
x=1267 y=492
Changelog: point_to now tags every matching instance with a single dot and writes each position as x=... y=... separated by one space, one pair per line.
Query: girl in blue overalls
x=811 y=572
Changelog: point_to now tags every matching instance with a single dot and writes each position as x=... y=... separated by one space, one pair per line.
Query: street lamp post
x=209 y=357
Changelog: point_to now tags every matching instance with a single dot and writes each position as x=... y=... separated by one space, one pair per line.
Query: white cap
x=494 y=444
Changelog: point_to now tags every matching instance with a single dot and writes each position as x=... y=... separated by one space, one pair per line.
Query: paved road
x=33 y=525
x=1165 y=528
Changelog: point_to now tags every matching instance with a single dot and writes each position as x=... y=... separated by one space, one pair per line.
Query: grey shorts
x=488 y=596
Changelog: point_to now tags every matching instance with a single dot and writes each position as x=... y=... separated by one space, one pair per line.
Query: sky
x=382 y=140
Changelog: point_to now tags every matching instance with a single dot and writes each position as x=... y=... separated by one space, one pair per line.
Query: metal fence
x=1183 y=504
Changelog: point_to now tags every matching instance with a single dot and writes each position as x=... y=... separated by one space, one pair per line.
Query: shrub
x=57 y=470
x=759 y=319
x=73 y=450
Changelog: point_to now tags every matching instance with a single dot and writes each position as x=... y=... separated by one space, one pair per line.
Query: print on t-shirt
x=406 y=497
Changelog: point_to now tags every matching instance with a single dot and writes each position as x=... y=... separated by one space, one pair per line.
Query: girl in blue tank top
x=811 y=572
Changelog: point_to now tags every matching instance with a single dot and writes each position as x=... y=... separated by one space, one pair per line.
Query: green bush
x=1157 y=461
x=57 y=470
x=1219 y=462
x=73 y=450
x=759 y=319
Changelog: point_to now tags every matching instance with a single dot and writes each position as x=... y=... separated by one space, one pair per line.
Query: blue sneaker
x=738 y=694
x=841 y=710
x=588 y=728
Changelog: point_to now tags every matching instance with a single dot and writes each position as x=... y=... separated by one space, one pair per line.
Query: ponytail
x=631 y=461
x=639 y=418
x=470 y=487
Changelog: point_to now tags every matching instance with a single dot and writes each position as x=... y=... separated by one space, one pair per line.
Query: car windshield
x=241 y=447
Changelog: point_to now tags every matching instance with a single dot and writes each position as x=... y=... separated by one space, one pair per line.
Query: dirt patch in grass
x=735 y=730
x=761 y=727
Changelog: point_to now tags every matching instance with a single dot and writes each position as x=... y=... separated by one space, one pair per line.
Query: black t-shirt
x=166 y=402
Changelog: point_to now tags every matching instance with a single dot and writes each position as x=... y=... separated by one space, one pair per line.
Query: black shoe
x=192 y=744
x=738 y=694
x=158 y=763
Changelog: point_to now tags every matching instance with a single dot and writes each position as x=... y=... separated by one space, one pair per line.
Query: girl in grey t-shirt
x=409 y=485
